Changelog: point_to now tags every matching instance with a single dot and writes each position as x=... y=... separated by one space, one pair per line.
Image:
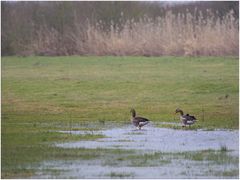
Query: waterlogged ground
x=159 y=139
x=149 y=153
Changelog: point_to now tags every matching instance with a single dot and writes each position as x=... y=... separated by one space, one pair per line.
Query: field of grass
x=41 y=94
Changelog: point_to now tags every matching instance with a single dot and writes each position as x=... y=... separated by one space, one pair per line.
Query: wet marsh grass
x=209 y=161
x=136 y=159
x=231 y=173
x=160 y=158
x=22 y=149
x=148 y=160
x=213 y=156
x=42 y=94
x=128 y=158
x=120 y=175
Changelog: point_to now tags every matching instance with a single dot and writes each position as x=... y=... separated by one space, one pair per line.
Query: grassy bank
x=40 y=94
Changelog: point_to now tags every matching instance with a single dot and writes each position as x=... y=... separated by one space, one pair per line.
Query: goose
x=186 y=119
x=138 y=121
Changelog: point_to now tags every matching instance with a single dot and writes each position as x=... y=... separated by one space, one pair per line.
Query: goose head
x=179 y=111
x=133 y=112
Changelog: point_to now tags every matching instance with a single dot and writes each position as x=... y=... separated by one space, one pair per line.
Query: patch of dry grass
x=182 y=34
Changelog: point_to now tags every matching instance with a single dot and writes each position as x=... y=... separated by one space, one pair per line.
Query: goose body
x=138 y=121
x=186 y=119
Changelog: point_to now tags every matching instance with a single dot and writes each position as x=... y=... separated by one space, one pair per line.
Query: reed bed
x=173 y=34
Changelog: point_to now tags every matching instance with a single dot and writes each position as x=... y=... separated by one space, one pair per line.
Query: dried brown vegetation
x=119 y=28
x=182 y=34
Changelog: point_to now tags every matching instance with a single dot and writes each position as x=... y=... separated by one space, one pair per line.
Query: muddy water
x=159 y=139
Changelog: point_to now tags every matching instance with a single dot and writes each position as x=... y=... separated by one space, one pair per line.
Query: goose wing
x=193 y=117
x=141 y=119
x=189 y=117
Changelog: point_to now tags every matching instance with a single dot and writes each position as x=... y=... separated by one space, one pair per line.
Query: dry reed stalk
x=181 y=34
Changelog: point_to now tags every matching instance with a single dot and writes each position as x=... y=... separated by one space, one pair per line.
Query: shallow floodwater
x=76 y=169
x=159 y=139
x=149 y=140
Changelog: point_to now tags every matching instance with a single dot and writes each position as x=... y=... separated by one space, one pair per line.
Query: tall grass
x=173 y=34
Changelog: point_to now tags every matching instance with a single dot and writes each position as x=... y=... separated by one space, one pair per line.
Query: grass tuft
x=223 y=148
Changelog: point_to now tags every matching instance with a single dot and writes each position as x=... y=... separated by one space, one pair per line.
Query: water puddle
x=158 y=139
x=158 y=153
x=181 y=168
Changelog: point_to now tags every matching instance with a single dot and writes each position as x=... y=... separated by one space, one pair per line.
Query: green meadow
x=43 y=94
